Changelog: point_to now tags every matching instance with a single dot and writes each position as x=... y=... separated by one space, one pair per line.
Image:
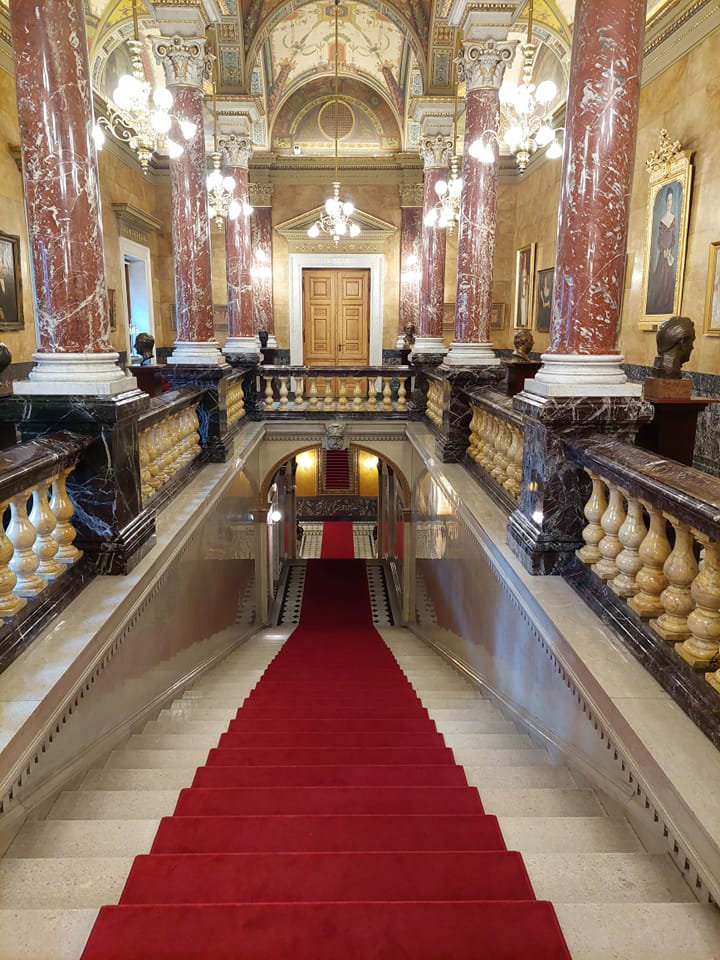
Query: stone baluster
x=387 y=394
x=372 y=394
x=502 y=443
x=702 y=647
x=472 y=431
x=24 y=562
x=45 y=547
x=654 y=551
x=594 y=509
x=268 y=392
x=357 y=400
x=63 y=508
x=312 y=394
x=631 y=534
x=402 y=394
x=514 y=469
x=284 y=380
x=328 y=401
x=10 y=603
x=610 y=546
x=680 y=568
x=299 y=392
x=342 y=393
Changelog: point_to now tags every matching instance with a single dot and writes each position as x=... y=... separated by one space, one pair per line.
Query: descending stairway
x=337 y=470
x=612 y=898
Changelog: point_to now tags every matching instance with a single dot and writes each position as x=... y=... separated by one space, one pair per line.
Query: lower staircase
x=335 y=814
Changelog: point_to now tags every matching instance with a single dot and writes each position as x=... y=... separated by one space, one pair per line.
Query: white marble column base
x=582 y=375
x=272 y=341
x=433 y=345
x=248 y=346
x=75 y=374
x=400 y=342
x=471 y=355
x=195 y=354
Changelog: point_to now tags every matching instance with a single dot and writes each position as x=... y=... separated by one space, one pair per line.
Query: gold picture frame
x=497 y=316
x=712 y=294
x=11 y=297
x=668 y=211
x=524 y=289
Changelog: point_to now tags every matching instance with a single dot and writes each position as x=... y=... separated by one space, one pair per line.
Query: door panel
x=336 y=317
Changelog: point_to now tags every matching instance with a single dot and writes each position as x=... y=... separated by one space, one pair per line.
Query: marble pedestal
x=150 y=378
x=546 y=528
x=421 y=363
x=518 y=371
x=113 y=529
x=215 y=436
x=453 y=437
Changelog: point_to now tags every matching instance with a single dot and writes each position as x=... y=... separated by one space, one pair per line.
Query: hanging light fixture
x=140 y=115
x=446 y=212
x=336 y=218
x=524 y=114
x=222 y=202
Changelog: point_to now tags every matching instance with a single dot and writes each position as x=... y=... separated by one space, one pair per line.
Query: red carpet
x=337 y=540
x=330 y=823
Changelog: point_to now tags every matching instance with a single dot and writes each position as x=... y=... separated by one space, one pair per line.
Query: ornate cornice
x=482 y=63
x=185 y=62
x=134 y=223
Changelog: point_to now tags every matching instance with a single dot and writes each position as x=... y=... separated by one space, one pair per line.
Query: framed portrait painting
x=11 y=305
x=497 y=317
x=543 y=299
x=524 y=273
x=667 y=228
x=712 y=295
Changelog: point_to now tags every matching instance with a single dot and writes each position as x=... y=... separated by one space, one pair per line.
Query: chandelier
x=222 y=203
x=336 y=218
x=524 y=122
x=139 y=115
x=446 y=212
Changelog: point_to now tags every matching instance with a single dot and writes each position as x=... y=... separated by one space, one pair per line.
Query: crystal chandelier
x=335 y=220
x=446 y=212
x=139 y=115
x=222 y=202
x=524 y=114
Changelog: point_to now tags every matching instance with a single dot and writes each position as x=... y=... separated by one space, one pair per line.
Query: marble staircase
x=615 y=900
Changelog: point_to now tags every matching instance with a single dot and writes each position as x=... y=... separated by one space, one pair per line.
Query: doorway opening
x=137 y=292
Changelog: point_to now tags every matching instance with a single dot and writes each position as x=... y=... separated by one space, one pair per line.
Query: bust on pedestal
x=671 y=433
x=148 y=375
x=520 y=367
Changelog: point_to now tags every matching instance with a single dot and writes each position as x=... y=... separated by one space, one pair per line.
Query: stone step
x=538 y=802
x=513 y=778
x=470 y=710
x=607 y=878
x=172 y=778
x=169 y=722
x=477 y=757
x=44 y=934
x=569 y=835
x=84 y=838
x=62 y=883
x=653 y=931
x=113 y=804
x=155 y=759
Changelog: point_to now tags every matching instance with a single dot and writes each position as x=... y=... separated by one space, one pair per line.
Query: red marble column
x=185 y=64
x=236 y=152
x=481 y=64
x=435 y=151
x=600 y=139
x=262 y=282
x=62 y=202
x=411 y=227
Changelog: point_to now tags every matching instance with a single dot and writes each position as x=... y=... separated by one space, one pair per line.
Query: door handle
x=339 y=348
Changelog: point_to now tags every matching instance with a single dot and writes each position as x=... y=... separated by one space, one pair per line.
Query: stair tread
x=538 y=802
x=44 y=934
x=113 y=804
x=83 y=838
x=568 y=834
x=69 y=882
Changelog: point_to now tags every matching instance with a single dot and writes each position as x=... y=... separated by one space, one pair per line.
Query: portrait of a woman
x=663 y=272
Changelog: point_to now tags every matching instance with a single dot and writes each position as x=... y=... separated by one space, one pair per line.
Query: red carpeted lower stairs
x=331 y=821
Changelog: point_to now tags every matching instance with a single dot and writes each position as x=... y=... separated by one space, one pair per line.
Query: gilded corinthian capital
x=183 y=59
x=436 y=151
x=236 y=150
x=482 y=62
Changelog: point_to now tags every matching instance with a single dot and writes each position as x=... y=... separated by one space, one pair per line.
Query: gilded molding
x=411 y=194
x=261 y=194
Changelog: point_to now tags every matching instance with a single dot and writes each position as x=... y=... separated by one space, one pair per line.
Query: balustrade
x=36 y=544
x=434 y=408
x=495 y=443
x=335 y=390
x=658 y=546
x=235 y=401
x=169 y=440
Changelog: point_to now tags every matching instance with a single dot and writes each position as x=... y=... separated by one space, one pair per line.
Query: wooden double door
x=336 y=318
